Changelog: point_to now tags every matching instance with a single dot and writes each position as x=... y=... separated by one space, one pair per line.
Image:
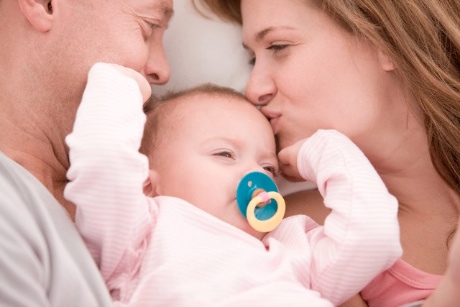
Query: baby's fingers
x=288 y=164
x=144 y=86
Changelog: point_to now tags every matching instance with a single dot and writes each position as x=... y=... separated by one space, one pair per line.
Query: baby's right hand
x=144 y=86
x=321 y=142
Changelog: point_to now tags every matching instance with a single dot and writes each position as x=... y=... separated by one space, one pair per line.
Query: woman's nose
x=260 y=89
x=157 y=70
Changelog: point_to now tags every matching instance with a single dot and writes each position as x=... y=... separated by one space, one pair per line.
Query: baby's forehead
x=195 y=118
x=195 y=111
x=201 y=103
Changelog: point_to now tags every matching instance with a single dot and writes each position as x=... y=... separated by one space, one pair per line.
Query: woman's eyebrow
x=259 y=36
x=262 y=33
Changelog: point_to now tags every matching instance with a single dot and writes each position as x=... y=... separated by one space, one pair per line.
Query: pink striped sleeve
x=107 y=172
x=360 y=237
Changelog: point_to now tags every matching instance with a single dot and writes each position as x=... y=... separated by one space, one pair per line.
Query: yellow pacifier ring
x=271 y=223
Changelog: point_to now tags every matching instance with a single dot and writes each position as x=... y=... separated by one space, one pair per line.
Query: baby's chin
x=249 y=230
x=240 y=222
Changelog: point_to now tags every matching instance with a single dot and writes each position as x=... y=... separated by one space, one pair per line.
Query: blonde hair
x=422 y=37
x=160 y=109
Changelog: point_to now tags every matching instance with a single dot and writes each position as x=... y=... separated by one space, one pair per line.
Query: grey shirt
x=43 y=260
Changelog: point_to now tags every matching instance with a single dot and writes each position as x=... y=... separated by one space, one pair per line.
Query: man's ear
x=151 y=186
x=38 y=12
x=385 y=61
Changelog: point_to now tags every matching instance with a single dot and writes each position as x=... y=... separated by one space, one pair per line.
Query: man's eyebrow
x=167 y=10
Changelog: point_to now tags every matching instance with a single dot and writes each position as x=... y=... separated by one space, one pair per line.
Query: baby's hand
x=288 y=162
x=144 y=86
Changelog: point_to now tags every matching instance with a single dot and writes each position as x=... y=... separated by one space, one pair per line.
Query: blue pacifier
x=259 y=201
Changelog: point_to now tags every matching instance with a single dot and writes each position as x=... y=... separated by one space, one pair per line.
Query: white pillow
x=200 y=50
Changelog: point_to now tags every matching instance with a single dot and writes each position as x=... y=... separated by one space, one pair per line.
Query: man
x=46 y=50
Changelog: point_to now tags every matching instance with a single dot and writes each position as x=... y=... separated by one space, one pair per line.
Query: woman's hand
x=447 y=293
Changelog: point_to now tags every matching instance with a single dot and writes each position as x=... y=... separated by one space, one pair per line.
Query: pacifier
x=260 y=202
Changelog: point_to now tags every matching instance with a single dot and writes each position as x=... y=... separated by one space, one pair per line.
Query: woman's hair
x=160 y=109
x=422 y=37
x=226 y=10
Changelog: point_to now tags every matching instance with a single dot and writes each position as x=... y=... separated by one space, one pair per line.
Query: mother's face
x=310 y=74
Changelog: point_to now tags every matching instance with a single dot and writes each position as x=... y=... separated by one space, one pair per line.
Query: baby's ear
x=151 y=187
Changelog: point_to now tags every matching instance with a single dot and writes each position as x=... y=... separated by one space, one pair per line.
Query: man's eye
x=153 y=25
x=148 y=28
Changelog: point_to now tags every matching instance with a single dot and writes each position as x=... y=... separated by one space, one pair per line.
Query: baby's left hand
x=288 y=162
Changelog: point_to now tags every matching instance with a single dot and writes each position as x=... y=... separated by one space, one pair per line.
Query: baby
x=163 y=223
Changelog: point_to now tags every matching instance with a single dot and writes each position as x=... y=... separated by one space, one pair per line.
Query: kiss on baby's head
x=161 y=112
x=200 y=143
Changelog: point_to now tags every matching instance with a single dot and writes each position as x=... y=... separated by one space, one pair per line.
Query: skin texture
x=47 y=50
x=211 y=152
x=310 y=74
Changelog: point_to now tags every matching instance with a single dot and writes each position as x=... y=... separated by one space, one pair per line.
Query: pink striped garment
x=164 y=251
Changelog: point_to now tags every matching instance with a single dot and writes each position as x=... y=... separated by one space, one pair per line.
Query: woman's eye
x=252 y=58
x=277 y=48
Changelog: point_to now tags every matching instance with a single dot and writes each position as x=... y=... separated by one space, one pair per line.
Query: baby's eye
x=226 y=154
x=272 y=170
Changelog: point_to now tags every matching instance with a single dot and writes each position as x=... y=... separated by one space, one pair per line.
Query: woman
x=386 y=74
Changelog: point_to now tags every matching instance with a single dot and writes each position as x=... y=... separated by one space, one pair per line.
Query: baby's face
x=213 y=142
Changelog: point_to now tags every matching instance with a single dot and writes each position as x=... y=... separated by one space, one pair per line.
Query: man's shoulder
x=20 y=188
x=26 y=202
x=36 y=232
